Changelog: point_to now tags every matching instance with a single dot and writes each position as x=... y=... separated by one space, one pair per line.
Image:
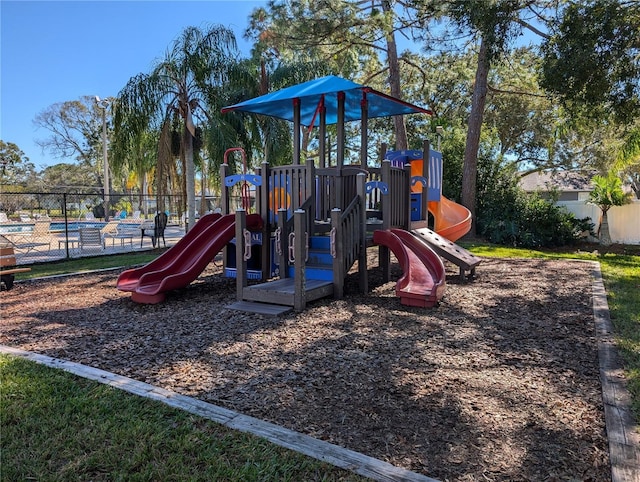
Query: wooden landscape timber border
x=622 y=432
x=324 y=451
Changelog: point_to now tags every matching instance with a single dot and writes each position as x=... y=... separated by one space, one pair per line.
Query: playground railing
x=288 y=187
x=396 y=206
x=346 y=235
x=335 y=189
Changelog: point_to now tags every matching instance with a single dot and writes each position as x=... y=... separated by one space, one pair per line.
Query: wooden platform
x=266 y=309
x=449 y=251
x=282 y=291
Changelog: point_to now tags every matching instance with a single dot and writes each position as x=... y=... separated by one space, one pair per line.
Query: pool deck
x=54 y=246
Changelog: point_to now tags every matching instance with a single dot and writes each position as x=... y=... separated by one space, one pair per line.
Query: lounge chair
x=4 y=218
x=90 y=238
x=27 y=241
x=123 y=232
x=109 y=230
x=155 y=232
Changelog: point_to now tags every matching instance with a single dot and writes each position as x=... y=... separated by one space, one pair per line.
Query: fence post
x=66 y=224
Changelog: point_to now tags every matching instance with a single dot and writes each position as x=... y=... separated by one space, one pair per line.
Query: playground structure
x=314 y=221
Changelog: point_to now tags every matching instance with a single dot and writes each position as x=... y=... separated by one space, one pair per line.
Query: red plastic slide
x=187 y=263
x=423 y=282
x=128 y=280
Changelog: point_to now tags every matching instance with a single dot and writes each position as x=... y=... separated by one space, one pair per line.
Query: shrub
x=507 y=215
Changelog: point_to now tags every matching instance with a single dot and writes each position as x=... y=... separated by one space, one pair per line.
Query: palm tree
x=178 y=91
x=607 y=192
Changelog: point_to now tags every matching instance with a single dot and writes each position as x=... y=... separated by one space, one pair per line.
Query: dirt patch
x=498 y=382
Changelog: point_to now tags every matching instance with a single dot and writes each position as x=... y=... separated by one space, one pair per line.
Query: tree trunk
x=203 y=189
x=394 y=82
x=470 y=166
x=190 y=178
x=603 y=231
x=162 y=169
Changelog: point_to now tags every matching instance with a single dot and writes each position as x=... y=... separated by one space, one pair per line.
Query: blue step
x=321 y=273
x=322 y=258
x=320 y=243
x=319 y=265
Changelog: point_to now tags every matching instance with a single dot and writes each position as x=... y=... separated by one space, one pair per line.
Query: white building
x=573 y=190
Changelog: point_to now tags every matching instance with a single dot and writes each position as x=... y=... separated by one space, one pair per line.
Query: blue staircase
x=319 y=265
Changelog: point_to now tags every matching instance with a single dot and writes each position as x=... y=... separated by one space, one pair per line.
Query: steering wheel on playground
x=245 y=178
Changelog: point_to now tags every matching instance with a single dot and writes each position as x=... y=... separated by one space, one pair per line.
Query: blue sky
x=54 y=51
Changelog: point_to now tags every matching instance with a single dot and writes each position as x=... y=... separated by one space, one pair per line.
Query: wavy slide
x=423 y=281
x=128 y=280
x=187 y=262
x=452 y=220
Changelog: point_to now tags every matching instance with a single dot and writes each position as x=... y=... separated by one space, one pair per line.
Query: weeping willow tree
x=178 y=91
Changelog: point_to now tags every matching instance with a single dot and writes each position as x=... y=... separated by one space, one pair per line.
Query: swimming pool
x=17 y=228
x=75 y=225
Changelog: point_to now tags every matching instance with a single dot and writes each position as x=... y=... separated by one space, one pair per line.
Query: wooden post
x=384 y=260
x=296 y=131
x=265 y=251
x=340 y=130
x=364 y=134
x=241 y=264
x=283 y=257
x=406 y=198
x=299 y=252
x=426 y=160
x=295 y=187
x=310 y=181
x=361 y=180
x=338 y=262
x=322 y=145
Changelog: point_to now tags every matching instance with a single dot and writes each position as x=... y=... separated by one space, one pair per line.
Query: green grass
x=56 y=426
x=79 y=265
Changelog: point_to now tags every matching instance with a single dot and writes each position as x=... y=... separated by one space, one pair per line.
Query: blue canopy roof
x=310 y=95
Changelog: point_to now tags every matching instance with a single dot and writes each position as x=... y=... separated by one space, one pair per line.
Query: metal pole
x=106 y=164
x=103 y=104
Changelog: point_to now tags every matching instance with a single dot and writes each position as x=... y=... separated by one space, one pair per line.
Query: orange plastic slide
x=423 y=281
x=452 y=220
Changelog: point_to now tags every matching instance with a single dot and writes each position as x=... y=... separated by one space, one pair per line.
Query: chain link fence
x=43 y=226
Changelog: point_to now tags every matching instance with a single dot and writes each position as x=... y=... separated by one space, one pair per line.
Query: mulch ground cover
x=499 y=382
